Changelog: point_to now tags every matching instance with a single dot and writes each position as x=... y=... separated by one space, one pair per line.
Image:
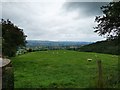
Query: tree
x=12 y=38
x=109 y=22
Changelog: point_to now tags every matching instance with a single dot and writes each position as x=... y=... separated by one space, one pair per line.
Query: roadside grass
x=62 y=69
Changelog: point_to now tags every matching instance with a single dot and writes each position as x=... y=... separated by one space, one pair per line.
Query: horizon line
x=62 y=40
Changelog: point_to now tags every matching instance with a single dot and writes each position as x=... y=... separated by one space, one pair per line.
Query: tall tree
x=109 y=22
x=12 y=38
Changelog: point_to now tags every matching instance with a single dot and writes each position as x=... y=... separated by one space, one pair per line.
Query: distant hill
x=55 y=43
x=108 y=47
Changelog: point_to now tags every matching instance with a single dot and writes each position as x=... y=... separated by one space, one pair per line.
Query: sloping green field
x=63 y=69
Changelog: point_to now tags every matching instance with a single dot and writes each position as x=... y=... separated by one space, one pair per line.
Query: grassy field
x=63 y=69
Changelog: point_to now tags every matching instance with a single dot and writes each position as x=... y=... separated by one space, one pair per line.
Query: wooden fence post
x=100 y=77
x=7 y=74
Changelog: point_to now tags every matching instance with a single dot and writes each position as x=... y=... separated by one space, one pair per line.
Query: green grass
x=67 y=69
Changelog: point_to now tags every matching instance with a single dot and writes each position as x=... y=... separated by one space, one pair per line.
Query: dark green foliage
x=110 y=47
x=12 y=38
x=109 y=23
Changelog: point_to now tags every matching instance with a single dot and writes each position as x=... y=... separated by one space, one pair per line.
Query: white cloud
x=49 y=21
x=58 y=0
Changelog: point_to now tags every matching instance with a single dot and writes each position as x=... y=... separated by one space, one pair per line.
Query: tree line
x=106 y=47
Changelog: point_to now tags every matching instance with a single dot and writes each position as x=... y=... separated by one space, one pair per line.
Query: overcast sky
x=56 y=21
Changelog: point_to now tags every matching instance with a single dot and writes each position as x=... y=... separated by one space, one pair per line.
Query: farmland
x=63 y=69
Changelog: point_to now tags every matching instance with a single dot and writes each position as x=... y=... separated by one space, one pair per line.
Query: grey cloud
x=46 y=21
x=88 y=8
x=0 y=10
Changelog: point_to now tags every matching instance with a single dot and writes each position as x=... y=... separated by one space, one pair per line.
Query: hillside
x=63 y=69
x=109 y=47
x=55 y=43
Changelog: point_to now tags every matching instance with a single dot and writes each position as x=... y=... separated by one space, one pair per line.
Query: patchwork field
x=63 y=69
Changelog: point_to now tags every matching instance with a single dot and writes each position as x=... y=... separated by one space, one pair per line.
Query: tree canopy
x=12 y=38
x=109 y=22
